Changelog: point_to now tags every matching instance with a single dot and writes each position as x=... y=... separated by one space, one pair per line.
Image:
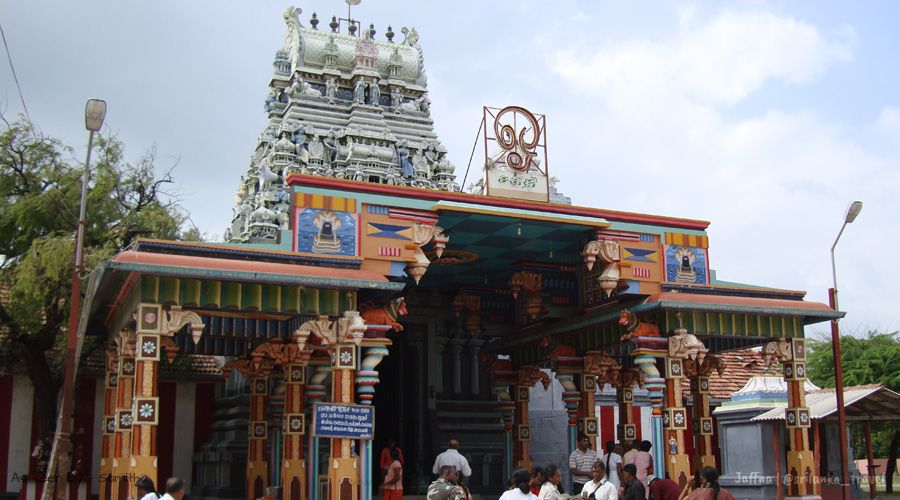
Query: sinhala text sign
x=339 y=420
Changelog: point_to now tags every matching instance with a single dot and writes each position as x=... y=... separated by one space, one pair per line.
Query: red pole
x=870 y=459
x=839 y=395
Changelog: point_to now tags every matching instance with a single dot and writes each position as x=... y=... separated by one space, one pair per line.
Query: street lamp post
x=94 y=113
x=852 y=212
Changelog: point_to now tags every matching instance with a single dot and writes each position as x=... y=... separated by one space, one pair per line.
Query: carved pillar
x=367 y=376
x=275 y=443
x=294 y=429
x=528 y=377
x=627 y=430
x=107 y=447
x=648 y=350
x=800 y=462
x=456 y=346
x=703 y=422
x=145 y=405
x=678 y=465
x=474 y=349
x=439 y=342
x=568 y=369
x=257 y=435
x=502 y=380
x=314 y=394
x=597 y=369
x=124 y=416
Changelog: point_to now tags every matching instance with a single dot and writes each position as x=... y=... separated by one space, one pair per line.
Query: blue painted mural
x=686 y=265
x=326 y=232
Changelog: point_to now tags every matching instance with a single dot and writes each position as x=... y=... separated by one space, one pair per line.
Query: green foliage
x=873 y=359
x=40 y=190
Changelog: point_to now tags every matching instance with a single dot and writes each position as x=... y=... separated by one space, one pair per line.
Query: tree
x=40 y=188
x=873 y=359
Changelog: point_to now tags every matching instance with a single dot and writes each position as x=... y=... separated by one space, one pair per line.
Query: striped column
x=568 y=369
x=502 y=380
x=294 y=465
x=315 y=393
x=343 y=470
x=124 y=416
x=645 y=357
x=108 y=440
x=367 y=375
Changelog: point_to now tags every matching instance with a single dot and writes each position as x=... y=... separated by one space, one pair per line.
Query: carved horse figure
x=635 y=327
x=387 y=315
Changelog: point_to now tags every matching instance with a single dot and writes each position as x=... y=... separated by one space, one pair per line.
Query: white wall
x=20 y=445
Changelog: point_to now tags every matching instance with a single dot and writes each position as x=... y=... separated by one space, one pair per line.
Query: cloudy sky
x=765 y=118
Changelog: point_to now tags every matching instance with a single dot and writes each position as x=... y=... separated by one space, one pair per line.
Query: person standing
x=446 y=487
x=392 y=487
x=580 y=462
x=632 y=488
x=612 y=463
x=521 y=490
x=385 y=460
x=599 y=487
x=550 y=489
x=643 y=462
x=174 y=489
x=710 y=490
x=629 y=450
x=664 y=489
x=452 y=457
x=146 y=490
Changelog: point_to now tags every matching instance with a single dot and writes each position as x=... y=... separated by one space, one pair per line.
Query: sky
x=765 y=118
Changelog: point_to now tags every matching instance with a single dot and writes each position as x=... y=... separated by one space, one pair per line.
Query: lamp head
x=853 y=211
x=94 y=113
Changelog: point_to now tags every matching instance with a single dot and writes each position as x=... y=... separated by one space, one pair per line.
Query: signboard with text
x=339 y=420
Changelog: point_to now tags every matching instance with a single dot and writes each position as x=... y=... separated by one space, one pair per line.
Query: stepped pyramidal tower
x=341 y=105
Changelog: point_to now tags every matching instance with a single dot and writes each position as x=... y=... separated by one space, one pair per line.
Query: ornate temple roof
x=340 y=105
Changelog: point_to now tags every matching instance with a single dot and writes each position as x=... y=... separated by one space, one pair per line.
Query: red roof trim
x=161 y=259
x=432 y=194
x=738 y=301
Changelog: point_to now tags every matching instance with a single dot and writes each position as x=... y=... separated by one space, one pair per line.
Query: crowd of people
x=624 y=472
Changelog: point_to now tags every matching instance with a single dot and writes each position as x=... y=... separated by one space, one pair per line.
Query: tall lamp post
x=852 y=212
x=94 y=113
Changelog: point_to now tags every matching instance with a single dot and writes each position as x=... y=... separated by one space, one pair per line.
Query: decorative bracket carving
x=177 y=318
x=348 y=329
x=684 y=345
x=607 y=251
x=531 y=375
x=777 y=351
x=423 y=234
x=604 y=366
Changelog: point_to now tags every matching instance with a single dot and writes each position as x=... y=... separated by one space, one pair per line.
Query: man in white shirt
x=452 y=457
x=599 y=488
x=174 y=489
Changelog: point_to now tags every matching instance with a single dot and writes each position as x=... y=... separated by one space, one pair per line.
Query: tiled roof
x=740 y=366
x=185 y=365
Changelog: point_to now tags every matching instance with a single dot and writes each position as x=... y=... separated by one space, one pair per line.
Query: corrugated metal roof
x=862 y=402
